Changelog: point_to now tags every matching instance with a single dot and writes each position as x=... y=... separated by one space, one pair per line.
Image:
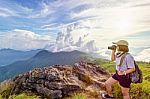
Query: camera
x=113 y=47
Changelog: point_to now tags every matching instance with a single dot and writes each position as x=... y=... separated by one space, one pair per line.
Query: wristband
x=124 y=72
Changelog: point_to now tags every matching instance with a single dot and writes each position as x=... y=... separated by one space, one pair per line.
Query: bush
x=5 y=88
x=117 y=91
x=23 y=96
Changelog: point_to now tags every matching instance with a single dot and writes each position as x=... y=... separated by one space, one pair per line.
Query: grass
x=77 y=96
x=23 y=96
x=20 y=96
x=5 y=90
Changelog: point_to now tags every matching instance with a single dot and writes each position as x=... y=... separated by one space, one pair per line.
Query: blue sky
x=36 y=15
x=32 y=24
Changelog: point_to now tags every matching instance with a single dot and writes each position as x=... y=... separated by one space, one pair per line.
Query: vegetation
x=78 y=96
x=5 y=90
x=21 y=96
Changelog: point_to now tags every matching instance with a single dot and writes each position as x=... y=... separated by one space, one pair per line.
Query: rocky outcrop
x=58 y=81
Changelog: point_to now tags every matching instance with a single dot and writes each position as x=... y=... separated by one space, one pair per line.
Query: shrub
x=5 y=88
x=23 y=96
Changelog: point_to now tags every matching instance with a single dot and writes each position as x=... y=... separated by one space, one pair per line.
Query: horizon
x=88 y=26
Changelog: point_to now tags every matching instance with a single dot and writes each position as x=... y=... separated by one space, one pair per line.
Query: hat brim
x=114 y=42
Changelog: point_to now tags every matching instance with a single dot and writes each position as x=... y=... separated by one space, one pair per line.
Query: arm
x=113 y=57
x=130 y=70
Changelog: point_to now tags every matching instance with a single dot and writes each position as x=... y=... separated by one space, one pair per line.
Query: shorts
x=124 y=80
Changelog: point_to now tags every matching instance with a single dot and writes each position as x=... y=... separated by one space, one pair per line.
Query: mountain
x=41 y=59
x=8 y=56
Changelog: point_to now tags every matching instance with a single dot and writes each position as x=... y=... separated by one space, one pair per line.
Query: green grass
x=77 y=96
x=5 y=90
x=20 y=96
x=23 y=96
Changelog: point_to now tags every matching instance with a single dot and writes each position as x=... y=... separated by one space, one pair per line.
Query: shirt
x=128 y=62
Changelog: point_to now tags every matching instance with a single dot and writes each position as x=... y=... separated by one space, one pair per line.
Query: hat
x=121 y=42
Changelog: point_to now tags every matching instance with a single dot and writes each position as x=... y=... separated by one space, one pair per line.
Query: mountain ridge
x=8 y=56
x=42 y=58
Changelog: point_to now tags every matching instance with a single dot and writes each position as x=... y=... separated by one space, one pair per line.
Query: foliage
x=23 y=96
x=77 y=96
x=5 y=88
x=20 y=96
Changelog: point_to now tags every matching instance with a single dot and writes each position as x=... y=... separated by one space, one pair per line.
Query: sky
x=85 y=25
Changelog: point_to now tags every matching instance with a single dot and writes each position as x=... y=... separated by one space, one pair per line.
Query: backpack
x=136 y=76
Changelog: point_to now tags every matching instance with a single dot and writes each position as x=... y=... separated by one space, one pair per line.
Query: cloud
x=68 y=40
x=43 y=12
x=143 y=55
x=24 y=40
x=118 y=17
x=74 y=36
x=6 y=12
x=11 y=9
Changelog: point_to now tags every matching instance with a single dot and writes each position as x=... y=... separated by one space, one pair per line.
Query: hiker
x=123 y=69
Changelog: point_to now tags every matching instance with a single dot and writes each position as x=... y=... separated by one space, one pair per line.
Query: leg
x=109 y=84
x=125 y=92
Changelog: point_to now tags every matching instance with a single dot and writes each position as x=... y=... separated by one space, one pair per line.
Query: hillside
x=41 y=59
x=8 y=56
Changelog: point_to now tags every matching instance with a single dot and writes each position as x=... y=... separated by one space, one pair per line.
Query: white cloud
x=119 y=21
x=6 y=12
x=44 y=11
x=23 y=40
x=143 y=56
x=68 y=40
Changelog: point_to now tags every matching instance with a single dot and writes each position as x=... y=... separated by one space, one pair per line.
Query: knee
x=125 y=93
x=107 y=84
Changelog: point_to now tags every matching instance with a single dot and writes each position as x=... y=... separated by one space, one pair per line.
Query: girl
x=122 y=70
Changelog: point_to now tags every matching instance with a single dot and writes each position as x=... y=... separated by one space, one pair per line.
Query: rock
x=67 y=89
x=58 y=81
x=53 y=85
x=52 y=94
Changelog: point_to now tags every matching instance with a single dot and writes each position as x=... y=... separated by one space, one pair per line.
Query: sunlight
x=123 y=25
x=122 y=22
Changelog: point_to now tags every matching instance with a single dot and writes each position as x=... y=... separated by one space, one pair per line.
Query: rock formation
x=58 y=81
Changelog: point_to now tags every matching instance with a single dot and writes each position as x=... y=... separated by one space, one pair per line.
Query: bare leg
x=109 y=84
x=125 y=92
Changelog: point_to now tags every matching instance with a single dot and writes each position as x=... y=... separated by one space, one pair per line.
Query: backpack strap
x=122 y=58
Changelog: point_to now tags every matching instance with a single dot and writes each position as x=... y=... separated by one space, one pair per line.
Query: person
x=122 y=72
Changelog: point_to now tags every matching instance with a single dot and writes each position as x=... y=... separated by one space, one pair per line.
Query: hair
x=123 y=48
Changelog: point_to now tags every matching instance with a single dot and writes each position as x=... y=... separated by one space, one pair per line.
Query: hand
x=120 y=73
x=113 y=51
